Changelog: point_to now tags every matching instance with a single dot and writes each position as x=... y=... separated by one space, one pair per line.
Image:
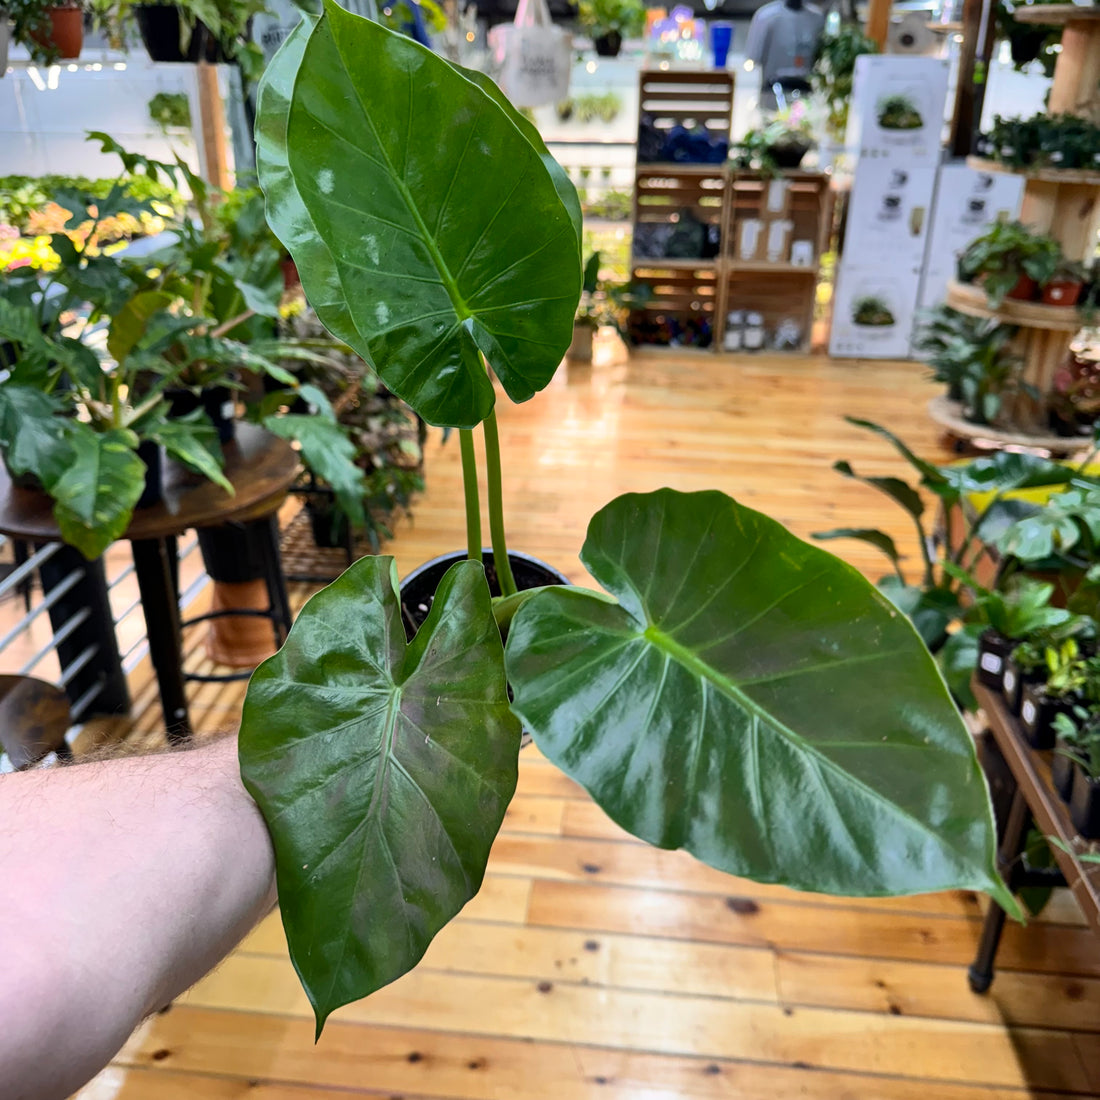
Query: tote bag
x=538 y=57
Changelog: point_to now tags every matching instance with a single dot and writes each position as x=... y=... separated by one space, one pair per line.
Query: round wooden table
x=260 y=466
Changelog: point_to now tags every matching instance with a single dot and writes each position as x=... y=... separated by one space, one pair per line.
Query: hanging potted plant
x=610 y=21
x=51 y=32
x=712 y=698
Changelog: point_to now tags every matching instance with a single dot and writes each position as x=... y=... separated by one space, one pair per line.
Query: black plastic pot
x=159 y=25
x=1024 y=44
x=1061 y=771
x=1037 y=714
x=1084 y=804
x=993 y=651
x=233 y=553
x=153 y=493
x=418 y=588
x=789 y=154
x=607 y=45
x=328 y=524
x=1013 y=682
x=217 y=401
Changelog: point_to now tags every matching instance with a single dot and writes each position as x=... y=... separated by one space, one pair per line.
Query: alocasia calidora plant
x=735 y=692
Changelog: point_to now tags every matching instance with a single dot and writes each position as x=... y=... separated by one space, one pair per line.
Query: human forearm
x=124 y=881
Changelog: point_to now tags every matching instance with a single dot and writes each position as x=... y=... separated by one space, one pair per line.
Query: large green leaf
x=383 y=771
x=193 y=440
x=33 y=436
x=330 y=454
x=440 y=221
x=754 y=700
x=95 y=497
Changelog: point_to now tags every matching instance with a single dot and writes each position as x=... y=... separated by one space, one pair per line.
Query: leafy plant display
x=190 y=315
x=833 y=72
x=1043 y=141
x=711 y=698
x=898 y=112
x=170 y=110
x=872 y=311
x=600 y=17
x=967 y=354
x=935 y=601
x=1004 y=253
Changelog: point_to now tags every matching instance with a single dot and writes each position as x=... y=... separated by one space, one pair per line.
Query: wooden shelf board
x=973 y=300
x=1045 y=175
x=948 y=414
x=673 y=168
x=674 y=265
x=1054 y=15
x=1032 y=771
x=764 y=267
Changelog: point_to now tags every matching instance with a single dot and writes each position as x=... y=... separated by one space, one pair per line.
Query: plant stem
x=496 y=507
x=469 y=487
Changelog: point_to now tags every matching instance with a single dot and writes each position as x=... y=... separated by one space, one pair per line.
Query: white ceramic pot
x=5 y=40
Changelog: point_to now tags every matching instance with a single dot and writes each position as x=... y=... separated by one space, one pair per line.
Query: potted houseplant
x=1010 y=261
x=1040 y=703
x=953 y=342
x=51 y=32
x=610 y=21
x=779 y=146
x=834 y=70
x=587 y=318
x=686 y=699
x=1027 y=663
x=1084 y=801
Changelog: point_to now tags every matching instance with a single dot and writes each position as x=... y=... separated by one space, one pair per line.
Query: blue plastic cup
x=721 y=37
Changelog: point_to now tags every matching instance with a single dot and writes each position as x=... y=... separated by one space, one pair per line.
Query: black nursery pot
x=1013 y=682
x=418 y=588
x=1084 y=804
x=1037 y=714
x=1061 y=771
x=993 y=651
x=218 y=403
x=607 y=45
x=789 y=154
x=159 y=25
x=153 y=493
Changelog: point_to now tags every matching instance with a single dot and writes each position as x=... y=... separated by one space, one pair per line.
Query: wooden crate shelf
x=705 y=289
x=967 y=298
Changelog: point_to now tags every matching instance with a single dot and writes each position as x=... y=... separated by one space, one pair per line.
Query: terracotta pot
x=1062 y=292
x=1025 y=290
x=240 y=641
x=66 y=32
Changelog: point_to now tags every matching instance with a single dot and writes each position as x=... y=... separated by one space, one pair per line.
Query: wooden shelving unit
x=1064 y=204
x=719 y=200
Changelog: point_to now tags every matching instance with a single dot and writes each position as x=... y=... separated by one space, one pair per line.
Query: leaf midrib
x=445 y=276
x=684 y=656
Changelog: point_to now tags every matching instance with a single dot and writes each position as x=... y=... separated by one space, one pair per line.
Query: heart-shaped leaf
x=754 y=700
x=94 y=498
x=383 y=771
x=441 y=234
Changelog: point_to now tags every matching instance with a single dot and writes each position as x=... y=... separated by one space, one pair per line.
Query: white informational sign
x=968 y=200
x=895 y=125
x=873 y=312
x=889 y=214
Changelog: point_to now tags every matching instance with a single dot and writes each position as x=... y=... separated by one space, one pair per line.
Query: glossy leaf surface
x=94 y=498
x=383 y=771
x=754 y=700
x=437 y=217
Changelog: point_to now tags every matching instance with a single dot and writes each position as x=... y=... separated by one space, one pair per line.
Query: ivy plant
x=731 y=690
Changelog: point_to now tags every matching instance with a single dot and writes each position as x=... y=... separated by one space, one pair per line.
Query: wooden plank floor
x=591 y=966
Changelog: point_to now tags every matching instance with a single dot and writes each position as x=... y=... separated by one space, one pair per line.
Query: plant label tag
x=991 y=662
x=1028 y=711
x=229 y=410
x=1009 y=682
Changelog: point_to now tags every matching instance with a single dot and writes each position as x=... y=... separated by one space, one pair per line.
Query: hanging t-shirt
x=782 y=41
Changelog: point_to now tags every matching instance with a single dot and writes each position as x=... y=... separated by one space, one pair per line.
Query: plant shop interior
x=364 y=367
